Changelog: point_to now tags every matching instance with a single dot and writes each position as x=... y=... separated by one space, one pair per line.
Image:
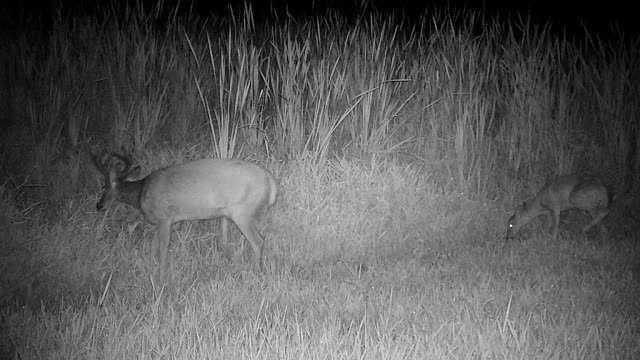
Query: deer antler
x=100 y=164
x=104 y=162
x=126 y=159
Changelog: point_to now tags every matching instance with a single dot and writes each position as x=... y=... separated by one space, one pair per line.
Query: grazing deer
x=199 y=190
x=566 y=192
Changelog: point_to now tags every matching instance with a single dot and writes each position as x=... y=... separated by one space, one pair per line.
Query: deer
x=566 y=192
x=199 y=190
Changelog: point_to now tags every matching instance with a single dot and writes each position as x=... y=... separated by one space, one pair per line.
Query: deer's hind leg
x=597 y=215
x=161 y=248
x=555 y=217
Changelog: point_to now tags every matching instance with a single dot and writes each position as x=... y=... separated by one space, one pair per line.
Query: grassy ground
x=400 y=151
x=365 y=266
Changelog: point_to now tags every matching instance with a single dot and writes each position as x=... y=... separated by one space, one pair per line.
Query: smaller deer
x=566 y=192
x=199 y=190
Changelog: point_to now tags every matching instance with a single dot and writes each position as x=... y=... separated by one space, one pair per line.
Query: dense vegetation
x=400 y=149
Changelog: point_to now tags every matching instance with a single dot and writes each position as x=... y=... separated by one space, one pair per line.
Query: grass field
x=400 y=151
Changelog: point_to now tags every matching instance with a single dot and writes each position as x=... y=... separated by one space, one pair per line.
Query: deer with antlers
x=198 y=190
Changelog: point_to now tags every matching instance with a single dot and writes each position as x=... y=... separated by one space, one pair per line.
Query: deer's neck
x=129 y=192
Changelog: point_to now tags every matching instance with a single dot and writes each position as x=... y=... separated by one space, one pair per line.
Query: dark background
x=568 y=15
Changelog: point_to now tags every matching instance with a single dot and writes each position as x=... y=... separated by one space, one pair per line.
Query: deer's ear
x=133 y=174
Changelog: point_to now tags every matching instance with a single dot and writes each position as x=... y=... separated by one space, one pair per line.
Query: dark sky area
x=596 y=15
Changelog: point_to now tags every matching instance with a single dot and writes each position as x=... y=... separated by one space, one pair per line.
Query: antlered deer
x=565 y=192
x=198 y=190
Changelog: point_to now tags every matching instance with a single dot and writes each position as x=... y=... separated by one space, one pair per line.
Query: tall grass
x=398 y=146
x=461 y=101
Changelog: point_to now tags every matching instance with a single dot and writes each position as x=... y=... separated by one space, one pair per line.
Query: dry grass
x=399 y=151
